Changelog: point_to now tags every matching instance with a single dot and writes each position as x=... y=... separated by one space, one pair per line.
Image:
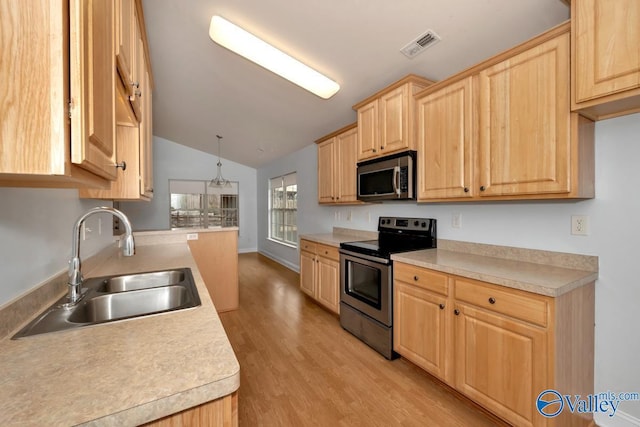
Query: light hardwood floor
x=298 y=367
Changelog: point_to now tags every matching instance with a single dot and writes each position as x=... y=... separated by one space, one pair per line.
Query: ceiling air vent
x=420 y=43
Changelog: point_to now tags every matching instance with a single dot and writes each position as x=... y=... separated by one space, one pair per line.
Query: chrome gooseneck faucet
x=75 y=275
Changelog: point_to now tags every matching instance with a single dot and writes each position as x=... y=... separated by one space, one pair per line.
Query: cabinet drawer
x=421 y=277
x=328 y=252
x=306 y=245
x=514 y=303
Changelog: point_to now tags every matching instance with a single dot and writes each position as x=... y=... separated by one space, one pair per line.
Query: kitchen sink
x=112 y=298
x=106 y=308
x=134 y=282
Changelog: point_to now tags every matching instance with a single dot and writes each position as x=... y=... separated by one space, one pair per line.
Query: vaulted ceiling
x=202 y=89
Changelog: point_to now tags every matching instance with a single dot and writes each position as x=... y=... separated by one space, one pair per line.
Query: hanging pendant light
x=219 y=181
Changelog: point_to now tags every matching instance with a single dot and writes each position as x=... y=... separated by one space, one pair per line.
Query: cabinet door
x=524 y=122
x=607 y=47
x=328 y=283
x=92 y=71
x=501 y=364
x=33 y=126
x=146 y=140
x=346 y=166
x=308 y=273
x=445 y=138
x=125 y=41
x=326 y=162
x=421 y=324
x=394 y=120
x=368 y=131
x=139 y=71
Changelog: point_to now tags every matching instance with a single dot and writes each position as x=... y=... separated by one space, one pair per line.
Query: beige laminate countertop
x=335 y=238
x=552 y=273
x=122 y=373
x=538 y=278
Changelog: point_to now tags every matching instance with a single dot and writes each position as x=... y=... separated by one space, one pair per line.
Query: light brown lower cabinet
x=216 y=255
x=320 y=273
x=498 y=346
x=221 y=412
x=420 y=304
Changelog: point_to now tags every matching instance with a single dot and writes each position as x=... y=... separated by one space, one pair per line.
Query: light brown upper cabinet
x=445 y=122
x=126 y=28
x=524 y=144
x=57 y=120
x=385 y=119
x=130 y=56
x=134 y=125
x=337 y=162
x=503 y=129
x=606 y=57
x=93 y=86
x=146 y=139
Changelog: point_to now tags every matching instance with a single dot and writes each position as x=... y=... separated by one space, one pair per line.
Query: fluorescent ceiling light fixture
x=254 y=49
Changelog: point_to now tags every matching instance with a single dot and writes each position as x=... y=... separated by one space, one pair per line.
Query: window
x=196 y=205
x=283 y=205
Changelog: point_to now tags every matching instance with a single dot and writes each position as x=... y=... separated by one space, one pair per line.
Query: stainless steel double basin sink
x=112 y=298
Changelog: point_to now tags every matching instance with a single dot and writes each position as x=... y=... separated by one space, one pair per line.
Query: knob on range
x=416 y=223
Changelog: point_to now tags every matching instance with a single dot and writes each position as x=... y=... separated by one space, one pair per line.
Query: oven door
x=365 y=284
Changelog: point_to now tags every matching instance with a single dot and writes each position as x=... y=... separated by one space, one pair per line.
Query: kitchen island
x=127 y=372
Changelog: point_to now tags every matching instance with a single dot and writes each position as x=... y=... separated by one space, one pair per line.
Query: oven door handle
x=365 y=257
x=396 y=180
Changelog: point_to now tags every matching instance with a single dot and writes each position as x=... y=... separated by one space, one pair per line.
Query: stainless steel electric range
x=366 y=278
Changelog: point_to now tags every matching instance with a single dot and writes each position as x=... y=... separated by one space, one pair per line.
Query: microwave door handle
x=396 y=180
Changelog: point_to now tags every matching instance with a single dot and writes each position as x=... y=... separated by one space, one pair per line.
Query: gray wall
x=538 y=225
x=35 y=236
x=175 y=161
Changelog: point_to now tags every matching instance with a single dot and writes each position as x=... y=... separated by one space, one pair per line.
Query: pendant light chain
x=219 y=180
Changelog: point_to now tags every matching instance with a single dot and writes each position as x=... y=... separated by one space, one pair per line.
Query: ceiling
x=202 y=89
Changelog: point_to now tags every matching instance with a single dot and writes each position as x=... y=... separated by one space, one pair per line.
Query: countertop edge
x=332 y=239
x=170 y=405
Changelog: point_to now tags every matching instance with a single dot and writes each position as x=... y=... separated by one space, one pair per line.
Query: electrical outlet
x=192 y=236
x=456 y=220
x=580 y=225
x=368 y=216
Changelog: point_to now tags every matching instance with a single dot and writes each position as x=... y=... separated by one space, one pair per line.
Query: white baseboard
x=247 y=250
x=620 y=419
x=288 y=264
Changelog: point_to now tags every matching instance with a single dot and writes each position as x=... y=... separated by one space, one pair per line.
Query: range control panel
x=398 y=224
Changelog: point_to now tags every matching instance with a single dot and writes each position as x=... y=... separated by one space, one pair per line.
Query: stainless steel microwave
x=391 y=177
